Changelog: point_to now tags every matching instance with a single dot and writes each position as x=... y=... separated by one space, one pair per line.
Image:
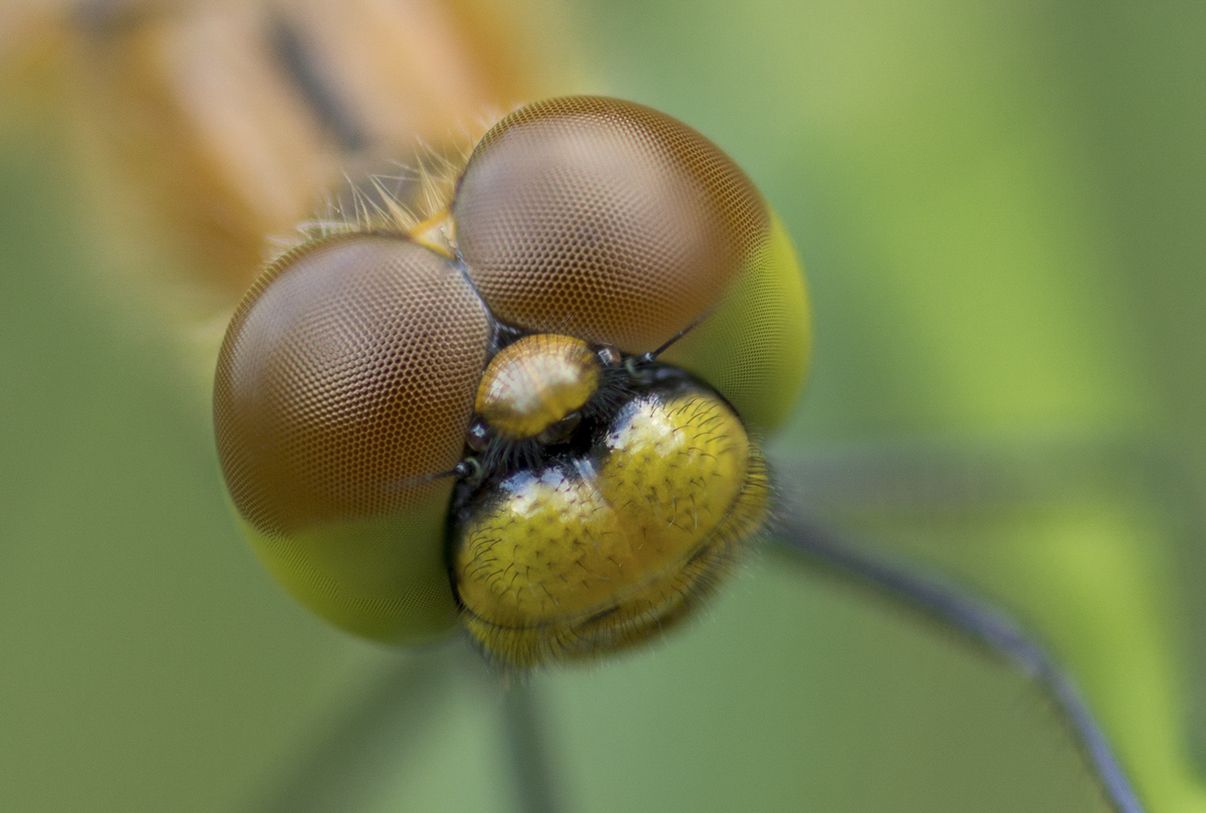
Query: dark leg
x=527 y=747
x=363 y=745
x=975 y=619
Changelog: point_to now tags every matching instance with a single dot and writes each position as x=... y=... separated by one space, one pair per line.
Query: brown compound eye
x=605 y=220
x=344 y=387
x=616 y=224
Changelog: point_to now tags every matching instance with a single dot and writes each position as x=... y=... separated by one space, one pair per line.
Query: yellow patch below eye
x=577 y=561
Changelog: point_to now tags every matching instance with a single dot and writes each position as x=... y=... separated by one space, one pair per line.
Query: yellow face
x=545 y=426
x=632 y=512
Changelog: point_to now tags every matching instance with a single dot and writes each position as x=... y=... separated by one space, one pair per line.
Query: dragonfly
x=918 y=467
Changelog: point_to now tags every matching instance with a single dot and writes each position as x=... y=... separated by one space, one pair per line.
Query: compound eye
x=344 y=388
x=605 y=220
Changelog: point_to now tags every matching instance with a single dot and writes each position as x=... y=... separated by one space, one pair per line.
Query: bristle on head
x=412 y=200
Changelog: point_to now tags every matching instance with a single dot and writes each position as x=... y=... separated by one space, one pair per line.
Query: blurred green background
x=1001 y=208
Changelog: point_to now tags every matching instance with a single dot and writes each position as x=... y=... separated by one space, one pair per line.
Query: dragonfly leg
x=527 y=745
x=976 y=620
